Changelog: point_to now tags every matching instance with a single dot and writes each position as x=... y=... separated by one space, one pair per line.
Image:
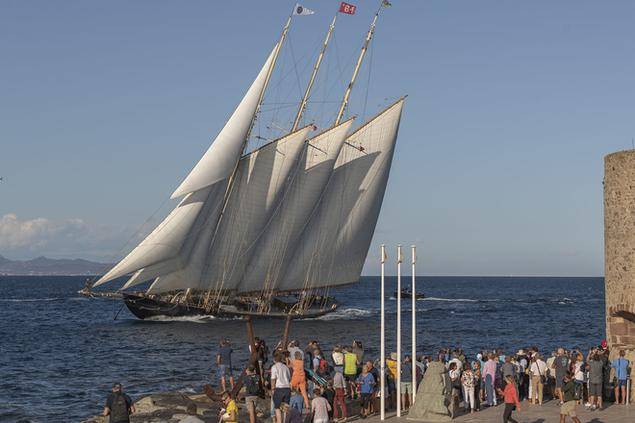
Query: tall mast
x=369 y=35
x=313 y=75
x=232 y=177
x=268 y=77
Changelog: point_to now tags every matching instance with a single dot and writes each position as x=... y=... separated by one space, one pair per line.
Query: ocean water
x=60 y=352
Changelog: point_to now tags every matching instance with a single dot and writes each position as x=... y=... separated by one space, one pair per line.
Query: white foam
x=193 y=319
x=346 y=314
x=29 y=300
x=458 y=300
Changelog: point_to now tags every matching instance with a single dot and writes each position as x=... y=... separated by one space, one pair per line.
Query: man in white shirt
x=538 y=370
x=280 y=385
x=293 y=348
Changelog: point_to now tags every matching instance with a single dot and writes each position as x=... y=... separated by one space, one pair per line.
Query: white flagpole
x=414 y=328
x=382 y=366
x=399 y=330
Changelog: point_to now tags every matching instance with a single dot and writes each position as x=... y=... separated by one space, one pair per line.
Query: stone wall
x=619 y=252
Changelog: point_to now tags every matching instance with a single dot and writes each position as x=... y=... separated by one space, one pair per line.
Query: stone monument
x=433 y=399
x=619 y=254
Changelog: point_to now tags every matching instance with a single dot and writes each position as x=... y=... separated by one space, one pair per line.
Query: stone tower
x=619 y=253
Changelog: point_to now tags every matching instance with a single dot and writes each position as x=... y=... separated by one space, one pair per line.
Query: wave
x=193 y=319
x=346 y=314
x=458 y=300
x=29 y=300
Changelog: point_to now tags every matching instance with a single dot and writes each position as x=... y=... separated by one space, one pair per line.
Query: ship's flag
x=347 y=8
x=301 y=10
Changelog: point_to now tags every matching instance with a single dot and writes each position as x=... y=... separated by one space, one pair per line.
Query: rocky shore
x=169 y=407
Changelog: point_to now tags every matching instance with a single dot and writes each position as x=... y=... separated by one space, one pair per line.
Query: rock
x=432 y=402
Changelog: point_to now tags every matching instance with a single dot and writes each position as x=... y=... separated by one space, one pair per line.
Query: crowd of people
x=312 y=384
x=324 y=385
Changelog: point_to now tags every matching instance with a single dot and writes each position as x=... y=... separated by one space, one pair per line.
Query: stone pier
x=619 y=253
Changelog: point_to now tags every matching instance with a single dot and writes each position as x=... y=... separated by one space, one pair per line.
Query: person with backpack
x=251 y=381
x=560 y=365
x=119 y=406
x=620 y=365
x=320 y=365
x=570 y=398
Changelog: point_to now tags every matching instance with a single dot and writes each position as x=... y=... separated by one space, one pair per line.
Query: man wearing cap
x=119 y=406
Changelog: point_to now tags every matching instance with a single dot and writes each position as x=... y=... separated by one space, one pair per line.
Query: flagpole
x=313 y=75
x=382 y=374
x=369 y=36
x=399 y=330
x=414 y=327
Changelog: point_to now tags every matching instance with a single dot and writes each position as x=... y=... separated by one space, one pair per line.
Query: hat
x=603 y=343
x=393 y=356
x=479 y=356
x=520 y=352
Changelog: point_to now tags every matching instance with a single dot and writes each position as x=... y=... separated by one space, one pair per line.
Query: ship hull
x=144 y=308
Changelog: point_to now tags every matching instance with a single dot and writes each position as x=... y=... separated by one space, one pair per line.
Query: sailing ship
x=266 y=233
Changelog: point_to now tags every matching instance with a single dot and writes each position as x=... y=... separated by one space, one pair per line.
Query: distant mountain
x=47 y=266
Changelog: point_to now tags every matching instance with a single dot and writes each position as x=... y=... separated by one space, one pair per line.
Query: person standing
x=339 y=402
x=320 y=407
x=406 y=382
x=350 y=369
x=251 y=381
x=119 y=406
x=338 y=359
x=596 y=376
x=510 y=396
x=560 y=365
x=298 y=377
x=366 y=386
x=620 y=365
x=538 y=372
x=568 y=391
x=280 y=385
x=467 y=381
x=224 y=363
x=489 y=377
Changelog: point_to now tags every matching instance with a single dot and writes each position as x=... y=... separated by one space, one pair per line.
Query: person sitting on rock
x=119 y=406
x=230 y=414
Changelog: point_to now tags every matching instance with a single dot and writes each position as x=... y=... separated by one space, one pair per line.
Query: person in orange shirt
x=298 y=378
x=510 y=395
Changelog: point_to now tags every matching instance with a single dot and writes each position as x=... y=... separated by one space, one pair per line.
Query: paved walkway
x=547 y=413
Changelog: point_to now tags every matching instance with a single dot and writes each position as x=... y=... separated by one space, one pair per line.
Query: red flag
x=349 y=9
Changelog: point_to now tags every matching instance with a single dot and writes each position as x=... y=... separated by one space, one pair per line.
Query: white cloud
x=26 y=238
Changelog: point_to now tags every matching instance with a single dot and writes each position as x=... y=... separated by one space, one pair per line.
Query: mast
x=273 y=64
x=369 y=36
x=313 y=75
x=232 y=178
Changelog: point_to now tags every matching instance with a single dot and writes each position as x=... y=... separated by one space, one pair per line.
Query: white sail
x=259 y=180
x=165 y=241
x=275 y=247
x=219 y=160
x=336 y=241
x=201 y=186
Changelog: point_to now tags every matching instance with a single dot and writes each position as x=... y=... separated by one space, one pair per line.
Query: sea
x=61 y=352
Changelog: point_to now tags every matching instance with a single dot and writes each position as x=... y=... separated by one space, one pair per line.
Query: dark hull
x=408 y=295
x=144 y=308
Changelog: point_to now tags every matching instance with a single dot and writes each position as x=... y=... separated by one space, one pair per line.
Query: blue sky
x=106 y=106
